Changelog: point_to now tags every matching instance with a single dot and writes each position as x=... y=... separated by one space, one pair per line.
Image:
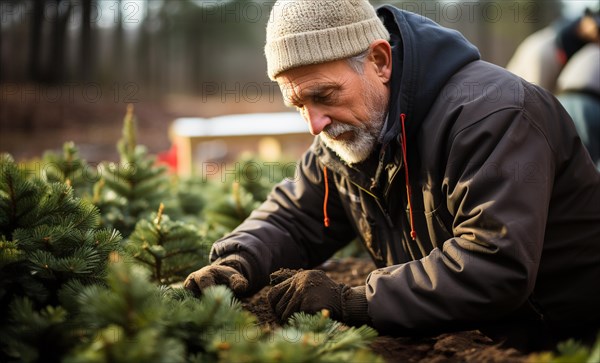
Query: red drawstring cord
x=413 y=233
x=325 y=217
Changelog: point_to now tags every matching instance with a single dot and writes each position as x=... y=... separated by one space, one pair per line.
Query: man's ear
x=381 y=56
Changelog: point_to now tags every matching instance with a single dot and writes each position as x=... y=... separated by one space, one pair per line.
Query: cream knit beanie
x=302 y=32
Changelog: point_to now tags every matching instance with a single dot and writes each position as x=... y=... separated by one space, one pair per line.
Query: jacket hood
x=425 y=55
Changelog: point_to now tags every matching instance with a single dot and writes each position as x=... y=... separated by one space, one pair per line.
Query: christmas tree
x=257 y=177
x=307 y=338
x=231 y=207
x=124 y=321
x=50 y=248
x=192 y=197
x=70 y=169
x=170 y=250
x=62 y=301
x=133 y=320
x=131 y=189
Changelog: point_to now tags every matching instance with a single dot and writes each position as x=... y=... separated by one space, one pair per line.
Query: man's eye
x=323 y=99
x=319 y=99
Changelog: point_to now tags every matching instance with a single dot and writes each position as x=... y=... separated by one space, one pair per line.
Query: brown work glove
x=312 y=291
x=228 y=272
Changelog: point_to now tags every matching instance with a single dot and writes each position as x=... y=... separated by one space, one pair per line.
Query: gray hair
x=357 y=62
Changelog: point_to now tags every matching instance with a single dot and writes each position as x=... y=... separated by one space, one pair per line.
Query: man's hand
x=312 y=291
x=309 y=291
x=216 y=275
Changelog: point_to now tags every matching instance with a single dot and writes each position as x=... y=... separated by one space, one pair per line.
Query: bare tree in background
x=118 y=39
x=35 y=41
x=86 y=42
x=180 y=45
x=49 y=21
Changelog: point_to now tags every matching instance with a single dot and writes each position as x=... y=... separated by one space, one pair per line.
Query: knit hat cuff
x=322 y=46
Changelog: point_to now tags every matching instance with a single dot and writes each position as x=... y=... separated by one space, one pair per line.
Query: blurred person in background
x=564 y=58
x=541 y=56
x=578 y=89
x=468 y=186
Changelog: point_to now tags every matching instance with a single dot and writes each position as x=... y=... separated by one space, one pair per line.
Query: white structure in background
x=221 y=140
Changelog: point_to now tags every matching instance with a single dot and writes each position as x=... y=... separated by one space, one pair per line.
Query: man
x=467 y=185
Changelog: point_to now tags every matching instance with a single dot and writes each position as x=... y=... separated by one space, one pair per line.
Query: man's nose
x=317 y=120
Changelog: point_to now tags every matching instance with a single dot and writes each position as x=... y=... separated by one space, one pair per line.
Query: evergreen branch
x=128 y=142
x=182 y=251
x=140 y=259
x=237 y=199
x=42 y=264
x=159 y=215
x=98 y=191
x=9 y=253
x=12 y=216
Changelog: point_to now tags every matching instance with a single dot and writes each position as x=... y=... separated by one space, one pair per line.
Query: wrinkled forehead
x=310 y=80
x=295 y=88
x=294 y=93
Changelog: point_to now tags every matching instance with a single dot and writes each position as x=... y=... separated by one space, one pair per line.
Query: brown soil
x=468 y=346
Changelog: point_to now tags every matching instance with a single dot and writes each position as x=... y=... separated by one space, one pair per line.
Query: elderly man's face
x=348 y=109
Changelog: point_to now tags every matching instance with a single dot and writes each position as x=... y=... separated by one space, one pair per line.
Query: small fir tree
x=192 y=197
x=133 y=320
x=124 y=320
x=170 y=250
x=231 y=207
x=70 y=169
x=257 y=177
x=131 y=189
x=237 y=197
x=49 y=249
x=569 y=351
x=60 y=304
x=306 y=338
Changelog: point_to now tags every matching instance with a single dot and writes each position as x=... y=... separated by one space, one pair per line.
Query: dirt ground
x=468 y=346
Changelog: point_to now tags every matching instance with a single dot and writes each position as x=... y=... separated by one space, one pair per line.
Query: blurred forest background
x=68 y=68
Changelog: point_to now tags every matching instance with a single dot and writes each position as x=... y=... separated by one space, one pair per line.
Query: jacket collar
x=424 y=56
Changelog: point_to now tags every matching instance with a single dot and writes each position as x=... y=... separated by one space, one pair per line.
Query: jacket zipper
x=388 y=187
x=378 y=201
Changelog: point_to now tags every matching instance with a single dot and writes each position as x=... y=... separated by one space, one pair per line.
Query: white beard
x=366 y=135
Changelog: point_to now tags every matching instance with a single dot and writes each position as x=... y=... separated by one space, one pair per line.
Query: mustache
x=335 y=129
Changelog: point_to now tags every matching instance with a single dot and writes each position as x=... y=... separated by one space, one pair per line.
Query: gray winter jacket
x=502 y=197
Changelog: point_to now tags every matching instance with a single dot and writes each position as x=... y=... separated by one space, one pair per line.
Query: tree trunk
x=35 y=42
x=56 y=72
x=1 y=58
x=86 y=48
x=118 y=58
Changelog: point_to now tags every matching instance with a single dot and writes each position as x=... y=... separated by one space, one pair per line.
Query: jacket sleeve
x=287 y=230
x=498 y=183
